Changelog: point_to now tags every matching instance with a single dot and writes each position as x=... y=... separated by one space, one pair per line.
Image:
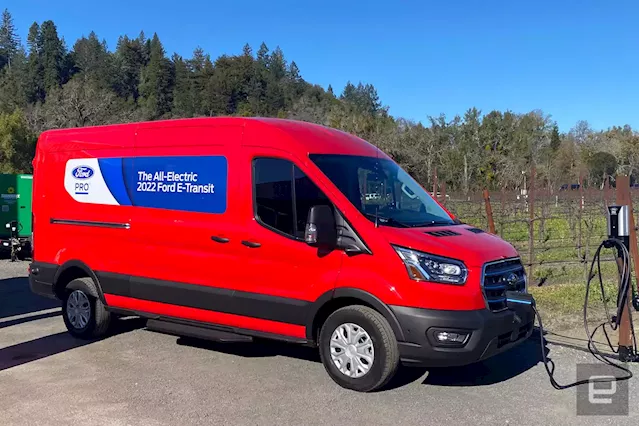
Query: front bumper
x=490 y=334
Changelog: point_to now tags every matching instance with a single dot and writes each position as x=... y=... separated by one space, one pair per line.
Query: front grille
x=500 y=277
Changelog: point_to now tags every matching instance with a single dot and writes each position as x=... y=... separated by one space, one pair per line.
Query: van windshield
x=380 y=188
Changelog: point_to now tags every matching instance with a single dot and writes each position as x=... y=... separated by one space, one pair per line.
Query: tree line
x=47 y=85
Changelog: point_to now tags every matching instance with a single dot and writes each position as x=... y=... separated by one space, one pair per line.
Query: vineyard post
x=530 y=197
x=487 y=206
x=623 y=197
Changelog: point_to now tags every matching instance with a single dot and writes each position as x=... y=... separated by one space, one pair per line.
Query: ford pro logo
x=82 y=172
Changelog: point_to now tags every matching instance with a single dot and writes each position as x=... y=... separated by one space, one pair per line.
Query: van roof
x=308 y=137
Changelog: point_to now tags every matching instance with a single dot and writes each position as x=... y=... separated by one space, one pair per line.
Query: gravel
x=138 y=377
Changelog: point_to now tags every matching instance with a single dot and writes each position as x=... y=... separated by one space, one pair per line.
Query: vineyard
x=556 y=238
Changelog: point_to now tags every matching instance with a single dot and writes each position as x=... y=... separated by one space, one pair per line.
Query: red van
x=235 y=228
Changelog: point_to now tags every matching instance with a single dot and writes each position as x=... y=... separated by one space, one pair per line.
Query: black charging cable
x=612 y=322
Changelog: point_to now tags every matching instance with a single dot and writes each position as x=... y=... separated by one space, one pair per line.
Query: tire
x=386 y=356
x=84 y=294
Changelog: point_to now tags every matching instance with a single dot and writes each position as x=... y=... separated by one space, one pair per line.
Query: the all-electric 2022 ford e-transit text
x=234 y=228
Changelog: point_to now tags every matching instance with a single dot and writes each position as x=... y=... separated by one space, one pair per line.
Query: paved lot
x=138 y=377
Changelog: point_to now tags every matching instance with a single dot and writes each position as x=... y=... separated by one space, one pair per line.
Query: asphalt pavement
x=139 y=377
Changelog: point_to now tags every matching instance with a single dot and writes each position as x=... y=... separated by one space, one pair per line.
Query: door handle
x=251 y=244
x=219 y=239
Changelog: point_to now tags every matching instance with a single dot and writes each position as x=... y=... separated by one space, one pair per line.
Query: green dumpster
x=15 y=206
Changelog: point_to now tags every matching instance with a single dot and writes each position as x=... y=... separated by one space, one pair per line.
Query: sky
x=574 y=60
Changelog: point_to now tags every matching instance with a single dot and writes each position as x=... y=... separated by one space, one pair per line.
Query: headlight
x=427 y=267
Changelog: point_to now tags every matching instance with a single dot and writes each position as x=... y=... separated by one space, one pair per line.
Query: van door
x=277 y=195
x=185 y=219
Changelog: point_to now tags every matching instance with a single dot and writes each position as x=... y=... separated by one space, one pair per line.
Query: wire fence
x=556 y=233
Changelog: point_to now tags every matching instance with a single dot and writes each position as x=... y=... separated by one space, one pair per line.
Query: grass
x=568 y=299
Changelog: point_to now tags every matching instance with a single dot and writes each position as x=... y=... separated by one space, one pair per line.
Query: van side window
x=307 y=196
x=273 y=193
x=284 y=195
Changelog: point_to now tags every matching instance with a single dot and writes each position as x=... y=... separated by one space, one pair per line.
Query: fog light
x=449 y=337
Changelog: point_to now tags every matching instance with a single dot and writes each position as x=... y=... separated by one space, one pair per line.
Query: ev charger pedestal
x=618 y=226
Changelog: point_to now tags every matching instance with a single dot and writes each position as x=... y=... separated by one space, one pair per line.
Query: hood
x=463 y=242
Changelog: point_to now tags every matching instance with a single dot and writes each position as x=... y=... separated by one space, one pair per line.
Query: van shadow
x=257 y=349
x=17 y=299
x=496 y=369
x=53 y=344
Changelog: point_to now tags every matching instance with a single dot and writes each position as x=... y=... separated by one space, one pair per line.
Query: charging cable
x=612 y=322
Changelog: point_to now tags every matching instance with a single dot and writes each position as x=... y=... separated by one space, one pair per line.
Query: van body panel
x=115 y=200
x=476 y=248
x=206 y=316
x=282 y=266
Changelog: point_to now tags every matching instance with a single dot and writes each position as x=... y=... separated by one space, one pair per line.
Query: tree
x=13 y=92
x=92 y=59
x=9 y=41
x=52 y=55
x=35 y=72
x=601 y=165
x=555 y=138
x=156 y=81
x=129 y=59
x=17 y=143
x=79 y=103
x=184 y=91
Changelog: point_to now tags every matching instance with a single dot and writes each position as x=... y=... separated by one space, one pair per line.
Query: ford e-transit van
x=234 y=228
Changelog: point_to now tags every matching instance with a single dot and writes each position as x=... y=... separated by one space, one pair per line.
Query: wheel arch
x=71 y=270
x=344 y=296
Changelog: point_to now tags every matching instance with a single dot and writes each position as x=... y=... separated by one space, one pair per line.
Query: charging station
x=618 y=225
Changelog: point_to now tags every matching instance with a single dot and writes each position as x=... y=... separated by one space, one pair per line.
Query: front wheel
x=358 y=348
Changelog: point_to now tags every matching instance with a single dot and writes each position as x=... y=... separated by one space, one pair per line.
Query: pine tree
x=277 y=65
x=208 y=94
x=555 y=138
x=34 y=76
x=183 y=90
x=9 y=41
x=129 y=60
x=263 y=55
x=330 y=90
x=51 y=55
x=13 y=94
x=156 y=81
x=92 y=59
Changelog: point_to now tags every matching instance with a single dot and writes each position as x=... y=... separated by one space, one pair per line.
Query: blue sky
x=575 y=60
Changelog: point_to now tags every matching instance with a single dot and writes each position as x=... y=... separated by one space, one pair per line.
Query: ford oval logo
x=512 y=279
x=82 y=172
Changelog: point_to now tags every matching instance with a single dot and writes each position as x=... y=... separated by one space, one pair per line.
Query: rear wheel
x=84 y=314
x=358 y=348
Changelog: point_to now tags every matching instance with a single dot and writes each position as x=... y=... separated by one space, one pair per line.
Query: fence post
x=530 y=196
x=444 y=193
x=487 y=206
x=623 y=197
x=435 y=183
x=582 y=258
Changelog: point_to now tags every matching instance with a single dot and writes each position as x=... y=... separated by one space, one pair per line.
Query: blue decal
x=112 y=173
x=188 y=183
x=82 y=172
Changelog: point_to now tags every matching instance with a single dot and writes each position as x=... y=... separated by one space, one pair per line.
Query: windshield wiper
x=387 y=220
x=432 y=223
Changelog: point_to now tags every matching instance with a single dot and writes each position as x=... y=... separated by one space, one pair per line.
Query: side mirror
x=320 y=229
